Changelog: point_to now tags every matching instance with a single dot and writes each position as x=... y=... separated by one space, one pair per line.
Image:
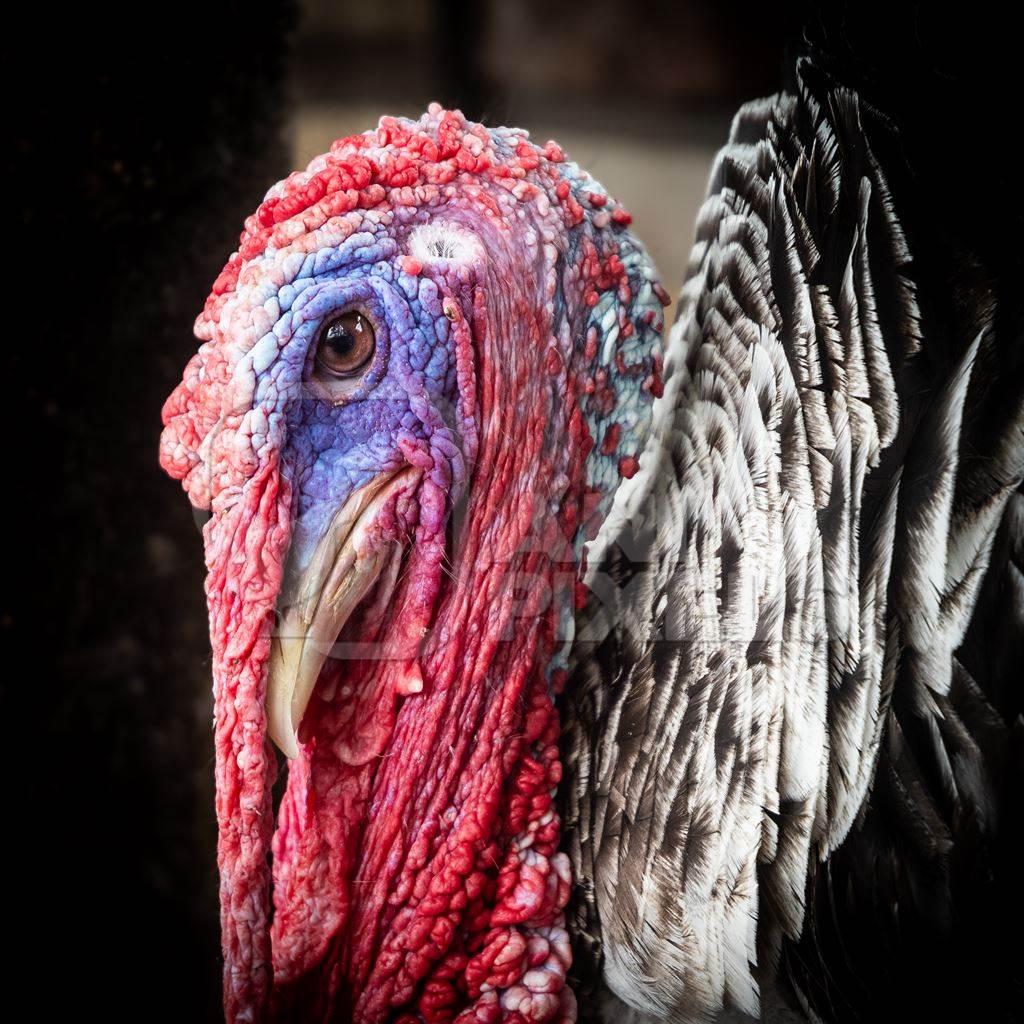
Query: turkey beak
x=345 y=565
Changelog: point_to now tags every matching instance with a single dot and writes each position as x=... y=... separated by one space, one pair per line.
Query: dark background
x=137 y=139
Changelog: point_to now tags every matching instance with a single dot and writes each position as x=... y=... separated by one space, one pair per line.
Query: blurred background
x=138 y=137
x=639 y=93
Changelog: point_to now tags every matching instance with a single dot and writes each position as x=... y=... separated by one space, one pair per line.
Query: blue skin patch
x=334 y=449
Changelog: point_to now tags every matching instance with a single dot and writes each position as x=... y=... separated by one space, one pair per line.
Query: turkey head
x=422 y=376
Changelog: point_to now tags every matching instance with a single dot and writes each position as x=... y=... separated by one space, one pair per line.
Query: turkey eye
x=345 y=346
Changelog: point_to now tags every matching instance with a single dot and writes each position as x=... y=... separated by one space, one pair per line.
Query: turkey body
x=793 y=732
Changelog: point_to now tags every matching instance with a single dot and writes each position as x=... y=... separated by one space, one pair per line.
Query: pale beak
x=344 y=567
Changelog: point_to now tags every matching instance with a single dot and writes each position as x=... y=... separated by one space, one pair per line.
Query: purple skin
x=404 y=404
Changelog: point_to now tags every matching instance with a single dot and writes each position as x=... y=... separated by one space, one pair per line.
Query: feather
x=768 y=661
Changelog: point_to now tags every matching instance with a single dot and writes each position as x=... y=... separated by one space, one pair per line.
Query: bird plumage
x=769 y=660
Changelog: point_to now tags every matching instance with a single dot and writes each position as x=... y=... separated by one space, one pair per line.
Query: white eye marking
x=443 y=240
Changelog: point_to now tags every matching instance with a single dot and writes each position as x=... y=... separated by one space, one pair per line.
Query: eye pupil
x=340 y=339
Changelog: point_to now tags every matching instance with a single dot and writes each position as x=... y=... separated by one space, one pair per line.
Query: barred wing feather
x=781 y=591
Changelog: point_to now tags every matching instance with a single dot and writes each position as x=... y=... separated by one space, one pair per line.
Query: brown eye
x=345 y=346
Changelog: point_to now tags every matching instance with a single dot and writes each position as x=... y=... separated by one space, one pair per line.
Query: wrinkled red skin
x=412 y=838
x=253 y=538
x=416 y=876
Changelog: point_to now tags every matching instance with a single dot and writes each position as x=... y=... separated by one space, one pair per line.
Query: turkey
x=611 y=681
x=423 y=376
